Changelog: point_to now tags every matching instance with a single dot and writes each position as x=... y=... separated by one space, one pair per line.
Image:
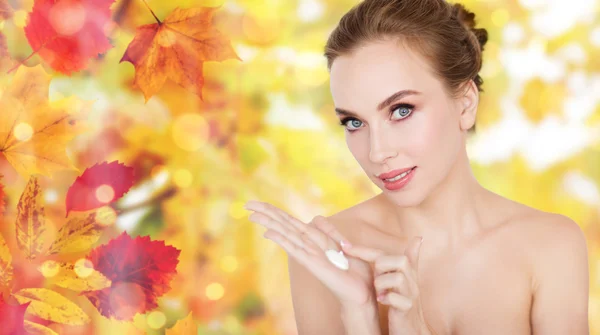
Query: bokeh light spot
x=106 y=215
x=156 y=319
x=23 y=131
x=49 y=268
x=237 y=210
x=229 y=263
x=214 y=291
x=83 y=267
x=105 y=193
x=127 y=299
x=67 y=17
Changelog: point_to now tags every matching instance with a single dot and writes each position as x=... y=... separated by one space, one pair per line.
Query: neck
x=450 y=214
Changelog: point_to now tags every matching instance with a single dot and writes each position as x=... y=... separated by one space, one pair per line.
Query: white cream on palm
x=338 y=259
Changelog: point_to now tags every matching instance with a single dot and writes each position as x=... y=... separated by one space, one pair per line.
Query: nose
x=381 y=149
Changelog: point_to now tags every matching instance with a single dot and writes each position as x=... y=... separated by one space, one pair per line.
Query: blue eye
x=405 y=112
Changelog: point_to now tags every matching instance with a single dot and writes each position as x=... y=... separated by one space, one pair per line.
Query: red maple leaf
x=99 y=185
x=140 y=271
x=66 y=33
x=12 y=318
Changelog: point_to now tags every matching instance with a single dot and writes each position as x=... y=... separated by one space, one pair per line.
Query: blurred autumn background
x=133 y=131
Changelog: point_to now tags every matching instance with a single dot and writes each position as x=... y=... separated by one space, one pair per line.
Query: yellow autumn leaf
x=34 y=132
x=30 y=225
x=37 y=329
x=186 y=326
x=52 y=306
x=78 y=277
x=6 y=268
x=80 y=232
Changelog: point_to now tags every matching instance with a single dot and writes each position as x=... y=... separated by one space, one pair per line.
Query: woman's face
x=421 y=128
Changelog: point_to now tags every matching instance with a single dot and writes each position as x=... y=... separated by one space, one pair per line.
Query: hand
x=396 y=284
x=307 y=243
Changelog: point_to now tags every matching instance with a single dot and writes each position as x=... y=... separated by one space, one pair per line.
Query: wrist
x=359 y=307
x=361 y=319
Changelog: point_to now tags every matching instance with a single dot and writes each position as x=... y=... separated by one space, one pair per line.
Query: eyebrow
x=383 y=104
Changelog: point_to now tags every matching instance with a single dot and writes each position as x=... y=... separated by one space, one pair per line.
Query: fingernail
x=346 y=244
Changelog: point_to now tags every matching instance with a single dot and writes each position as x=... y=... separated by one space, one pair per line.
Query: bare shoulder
x=558 y=254
x=545 y=230
x=351 y=221
x=551 y=240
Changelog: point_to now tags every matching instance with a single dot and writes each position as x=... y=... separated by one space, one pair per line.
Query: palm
x=307 y=243
x=352 y=285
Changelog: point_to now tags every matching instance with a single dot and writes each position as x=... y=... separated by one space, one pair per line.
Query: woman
x=405 y=83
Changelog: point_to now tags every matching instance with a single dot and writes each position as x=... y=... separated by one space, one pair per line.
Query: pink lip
x=400 y=183
x=393 y=173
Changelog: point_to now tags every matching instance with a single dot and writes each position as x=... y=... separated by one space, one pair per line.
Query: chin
x=405 y=198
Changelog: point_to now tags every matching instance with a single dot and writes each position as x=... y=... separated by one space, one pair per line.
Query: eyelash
x=391 y=112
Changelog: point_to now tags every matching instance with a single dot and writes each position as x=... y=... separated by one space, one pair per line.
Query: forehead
x=376 y=70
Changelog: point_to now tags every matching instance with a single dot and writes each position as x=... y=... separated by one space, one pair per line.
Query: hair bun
x=467 y=18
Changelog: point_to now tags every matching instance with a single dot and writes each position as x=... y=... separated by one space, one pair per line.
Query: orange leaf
x=34 y=132
x=176 y=48
x=140 y=271
x=185 y=326
x=98 y=186
x=67 y=33
x=30 y=225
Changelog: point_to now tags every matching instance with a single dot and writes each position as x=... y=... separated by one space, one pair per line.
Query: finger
x=364 y=253
x=392 y=281
x=412 y=252
x=396 y=301
x=328 y=228
x=274 y=224
x=275 y=213
x=285 y=219
x=310 y=245
x=397 y=263
x=285 y=216
x=305 y=256
x=388 y=263
x=315 y=232
x=298 y=251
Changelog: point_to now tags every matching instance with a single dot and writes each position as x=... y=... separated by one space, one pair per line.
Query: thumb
x=323 y=224
x=364 y=253
x=413 y=250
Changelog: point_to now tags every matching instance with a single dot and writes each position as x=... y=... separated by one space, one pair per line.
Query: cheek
x=428 y=135
x=435 y=141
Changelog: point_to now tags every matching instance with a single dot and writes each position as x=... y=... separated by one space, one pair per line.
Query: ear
x=468 y=104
